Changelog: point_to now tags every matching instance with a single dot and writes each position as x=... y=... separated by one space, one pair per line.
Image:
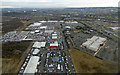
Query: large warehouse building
x=54 y=45
x=32 y=65
x=39 y=44
x=94 y=43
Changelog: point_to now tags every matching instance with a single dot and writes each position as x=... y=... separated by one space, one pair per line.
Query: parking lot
x=108 y=52
x=51 y=59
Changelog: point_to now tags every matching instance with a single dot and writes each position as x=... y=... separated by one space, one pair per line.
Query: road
x=67 y=53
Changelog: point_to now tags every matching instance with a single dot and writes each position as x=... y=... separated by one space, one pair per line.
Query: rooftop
x=32 y=65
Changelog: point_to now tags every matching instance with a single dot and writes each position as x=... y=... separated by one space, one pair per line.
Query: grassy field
x=25 y=24
x=14 y=55
x=85 y=63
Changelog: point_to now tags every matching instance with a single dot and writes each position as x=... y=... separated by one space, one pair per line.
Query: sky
x=58 y=3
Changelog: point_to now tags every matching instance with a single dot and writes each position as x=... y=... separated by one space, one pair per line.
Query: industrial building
x=35 y=24
x=43 y=27
x=54 y=45
x=54 y=36
x=43 y=21
x=67 y=27
x=37 y=31
x=94 y=43
x=49 y=31
x=32 y=65
x=52 y=21
x=71 y=22
x=39 y=45
x=36 y=51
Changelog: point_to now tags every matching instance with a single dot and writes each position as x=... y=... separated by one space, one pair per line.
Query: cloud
x=6 y=6
x=60 y=3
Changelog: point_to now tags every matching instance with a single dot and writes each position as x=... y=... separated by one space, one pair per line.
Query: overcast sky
x=58 y=3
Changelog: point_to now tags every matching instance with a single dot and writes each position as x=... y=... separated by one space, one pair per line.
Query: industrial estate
x=54 y=41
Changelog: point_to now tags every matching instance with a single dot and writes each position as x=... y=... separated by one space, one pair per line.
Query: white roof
x=36 y=24
x=27 y=39
x=54 y=34
x=114 y=28
x=61 y=21
x=37 y=31
x=94 y=38
x=32 y=32
x=94 y=43
x=43 y=21
x=87 y=43
x=54 y=44
x=32 y=65
x=71 y=22
x=43 y=44
x=49 y=31
x=43 y=27
x=67 y=27
x=39 y=44
x=54 y=37
x=36 y=51
x=94 y=46
x=52 y=21
x=101 y=39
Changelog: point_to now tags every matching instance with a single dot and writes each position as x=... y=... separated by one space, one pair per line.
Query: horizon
x=57 y=4
x=59 y=7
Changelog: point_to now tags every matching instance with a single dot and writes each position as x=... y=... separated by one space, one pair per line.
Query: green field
x=84 y=63
x=14 y=54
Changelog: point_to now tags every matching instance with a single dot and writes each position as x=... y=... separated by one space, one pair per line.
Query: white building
x=54 y=36
x=35 y=24
x=54 y=45
x=36 y=51
x=94 y=43
x=43 y=21
x=43 y=27
x=58 y=67
x=67 y=27
x=53 y=21
x=49 y=31
x=71 y=22
x=39 y=44
x=31 y=66
x=37 y=31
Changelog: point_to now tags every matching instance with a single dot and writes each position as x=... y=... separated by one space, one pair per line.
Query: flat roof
x=32 y=32
x=71 y=22
x=94 y=43
x=87 y=43
x=94 y=38
x=35 y=24
x=36 y=51
x=54 y=34
x=39 y=44
x=67 y=27
x=42 y=21
x=52 y=21
x=32 y=65
x=54 y=37
x=49 y=31
x=54 y=44
x=43 y=27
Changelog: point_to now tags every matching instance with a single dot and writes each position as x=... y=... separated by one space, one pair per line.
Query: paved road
x=68 y=55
